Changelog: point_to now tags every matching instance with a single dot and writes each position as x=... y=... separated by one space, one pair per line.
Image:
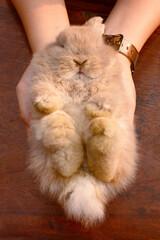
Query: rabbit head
x=80 y=52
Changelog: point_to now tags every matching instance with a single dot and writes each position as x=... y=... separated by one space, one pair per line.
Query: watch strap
x=121 y=45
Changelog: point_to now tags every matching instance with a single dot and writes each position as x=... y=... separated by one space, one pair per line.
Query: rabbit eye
x=61 y=45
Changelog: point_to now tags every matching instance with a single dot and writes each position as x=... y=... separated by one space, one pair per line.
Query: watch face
x=113 y=40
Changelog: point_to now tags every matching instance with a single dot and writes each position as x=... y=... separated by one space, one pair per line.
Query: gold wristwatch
x=121 y=45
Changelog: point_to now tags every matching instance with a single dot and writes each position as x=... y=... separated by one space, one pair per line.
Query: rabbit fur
x=82 y=147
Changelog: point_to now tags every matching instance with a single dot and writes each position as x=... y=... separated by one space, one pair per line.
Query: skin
x=140 y=21
x=43 y=20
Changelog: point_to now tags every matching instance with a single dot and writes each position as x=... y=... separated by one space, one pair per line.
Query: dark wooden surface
x=24 y=213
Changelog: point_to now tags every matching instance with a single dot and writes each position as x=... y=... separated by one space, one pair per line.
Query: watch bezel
x=114 y=40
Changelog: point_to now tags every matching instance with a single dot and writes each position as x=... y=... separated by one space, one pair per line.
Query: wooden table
x=24 y=213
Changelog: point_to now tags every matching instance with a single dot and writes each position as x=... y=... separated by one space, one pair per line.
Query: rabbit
x=82 y=148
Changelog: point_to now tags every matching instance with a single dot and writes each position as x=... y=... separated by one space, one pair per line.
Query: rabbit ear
x=96 y=24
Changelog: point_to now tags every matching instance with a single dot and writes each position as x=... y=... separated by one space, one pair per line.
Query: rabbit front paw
x=96 y=109
x=104 y=148
x=47 y=103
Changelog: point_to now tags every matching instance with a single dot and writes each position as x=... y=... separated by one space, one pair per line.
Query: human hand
x=22 y=91
x=126 y=82
x=42 y=23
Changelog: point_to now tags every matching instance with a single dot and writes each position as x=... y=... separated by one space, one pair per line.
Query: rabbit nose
x=80 y=64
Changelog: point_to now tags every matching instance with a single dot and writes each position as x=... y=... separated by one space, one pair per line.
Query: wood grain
x=24 y=213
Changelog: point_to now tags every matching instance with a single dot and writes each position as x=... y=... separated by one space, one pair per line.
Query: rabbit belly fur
x=82 y=147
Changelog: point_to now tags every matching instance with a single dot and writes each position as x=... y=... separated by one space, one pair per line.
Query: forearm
x=135 y=19
x=43 y=20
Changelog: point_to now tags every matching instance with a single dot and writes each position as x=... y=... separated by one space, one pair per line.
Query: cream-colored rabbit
x=82 y=148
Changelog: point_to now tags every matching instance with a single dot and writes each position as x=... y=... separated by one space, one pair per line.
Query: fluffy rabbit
x=82 y=147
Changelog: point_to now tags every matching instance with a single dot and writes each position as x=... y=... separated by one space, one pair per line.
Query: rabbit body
x=82 y=147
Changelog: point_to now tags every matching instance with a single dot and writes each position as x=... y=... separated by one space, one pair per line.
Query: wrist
x=121 y=45
x=43 y=20
x=124 y=60
x=126 y=77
